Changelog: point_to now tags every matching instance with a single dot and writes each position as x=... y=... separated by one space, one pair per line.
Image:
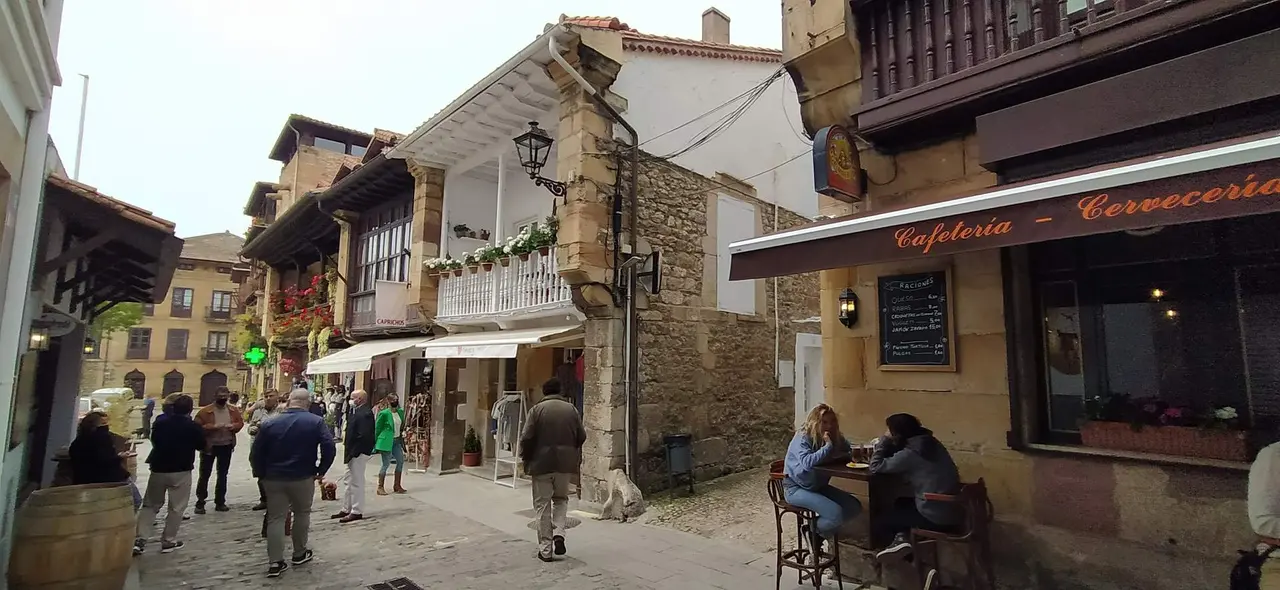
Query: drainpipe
x=631 y=351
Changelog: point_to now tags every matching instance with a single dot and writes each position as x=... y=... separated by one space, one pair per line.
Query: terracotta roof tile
x=219 y=247
x=131 y=212
x=634 y=40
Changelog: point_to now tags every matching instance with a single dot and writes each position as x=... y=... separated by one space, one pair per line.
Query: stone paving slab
x=450 y=532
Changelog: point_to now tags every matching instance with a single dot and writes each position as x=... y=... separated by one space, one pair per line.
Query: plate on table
x=856 y=465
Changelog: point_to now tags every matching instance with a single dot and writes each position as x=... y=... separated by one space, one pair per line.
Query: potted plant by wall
x=454 y=266
x=471 y=262
x=471 y=449
x=487 y=256
x=484 y=234
x=461 y=230
x=520 y=245
x=1150 y=425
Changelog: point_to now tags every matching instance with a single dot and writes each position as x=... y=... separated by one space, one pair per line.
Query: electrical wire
x=674 y=166
x=763 y=84
x=748 y=99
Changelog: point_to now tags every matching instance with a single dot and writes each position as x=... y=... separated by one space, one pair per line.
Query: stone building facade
x=185 y=343
x=1068 y=515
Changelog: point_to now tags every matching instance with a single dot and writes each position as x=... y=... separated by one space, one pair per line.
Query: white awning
x=494 y=345
x=359 y=358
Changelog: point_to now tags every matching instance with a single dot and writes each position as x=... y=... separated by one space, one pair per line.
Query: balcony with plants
x=518 y=276
x=305 y=313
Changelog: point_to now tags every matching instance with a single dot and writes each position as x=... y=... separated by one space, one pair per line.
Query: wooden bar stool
x=806 y=549
x=975 y=536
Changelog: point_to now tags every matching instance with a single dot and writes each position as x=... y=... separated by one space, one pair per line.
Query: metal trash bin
x=679 y=451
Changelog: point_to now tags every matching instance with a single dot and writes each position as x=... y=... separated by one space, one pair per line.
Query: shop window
x=1169 y=326
x=735 y=221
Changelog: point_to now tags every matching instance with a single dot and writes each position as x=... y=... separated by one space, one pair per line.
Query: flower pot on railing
x=487 y=266
x=544 y=251
x=524 y=256
x=457 y=272
x=473 y=268
x=505 y=261
x=1182 y=441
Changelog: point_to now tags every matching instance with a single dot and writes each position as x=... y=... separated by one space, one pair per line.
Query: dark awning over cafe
x=1229 y=179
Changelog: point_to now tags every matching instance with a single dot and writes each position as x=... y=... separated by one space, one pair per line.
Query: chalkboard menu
x=915 y=322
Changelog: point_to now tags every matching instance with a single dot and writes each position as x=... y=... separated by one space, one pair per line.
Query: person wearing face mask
x=389 y=434
x=220 y=421
x=357 y=447
x=95 y=457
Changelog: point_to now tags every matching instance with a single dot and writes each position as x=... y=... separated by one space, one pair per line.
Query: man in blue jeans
x=283 y=456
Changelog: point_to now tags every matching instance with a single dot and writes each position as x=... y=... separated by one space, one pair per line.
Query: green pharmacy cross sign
x=255 y=356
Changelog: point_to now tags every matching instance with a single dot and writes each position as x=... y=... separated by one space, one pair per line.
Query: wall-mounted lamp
x=848 y=308
x=89 y=345
x=1157 y=294
x=39 y=339
x=533 y=147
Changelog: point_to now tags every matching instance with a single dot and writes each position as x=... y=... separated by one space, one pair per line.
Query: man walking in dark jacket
x=357 y=447
x=284 y=457
x=175 y=440
x=551 y=448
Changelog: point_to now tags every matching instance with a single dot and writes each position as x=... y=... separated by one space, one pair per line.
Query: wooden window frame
x=170 y=352
x=142 y=352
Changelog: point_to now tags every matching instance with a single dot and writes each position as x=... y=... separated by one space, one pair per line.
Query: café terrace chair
x=974 y=535
x=800 y=556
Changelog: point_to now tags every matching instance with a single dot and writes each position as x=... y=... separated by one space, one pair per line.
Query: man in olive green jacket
x=551 y=449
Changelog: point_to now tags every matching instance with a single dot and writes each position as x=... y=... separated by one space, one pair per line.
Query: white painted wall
x=735 y=221
x=664 y=92
x=473 y=201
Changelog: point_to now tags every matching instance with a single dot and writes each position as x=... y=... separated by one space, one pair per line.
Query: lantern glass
x=848 y=308
x=89 y=346
x=533 y=147
x=39 y=339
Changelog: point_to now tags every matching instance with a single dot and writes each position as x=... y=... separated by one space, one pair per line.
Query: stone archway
x=209 y=384
x=136 y=381
x=173 y=381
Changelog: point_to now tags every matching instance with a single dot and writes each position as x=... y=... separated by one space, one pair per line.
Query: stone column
x=585 y=161
x=346 y=251
x=428 y=214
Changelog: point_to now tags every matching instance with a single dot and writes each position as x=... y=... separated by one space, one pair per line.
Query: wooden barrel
x=73 y=538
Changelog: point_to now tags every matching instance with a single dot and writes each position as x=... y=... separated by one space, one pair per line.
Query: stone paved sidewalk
x=450 y=532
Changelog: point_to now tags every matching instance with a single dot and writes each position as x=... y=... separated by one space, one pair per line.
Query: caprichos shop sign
x=1238 y=191
x=1217 y=194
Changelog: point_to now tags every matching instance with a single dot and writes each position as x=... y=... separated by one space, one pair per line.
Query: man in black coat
x=357 y=447
x=175 y=440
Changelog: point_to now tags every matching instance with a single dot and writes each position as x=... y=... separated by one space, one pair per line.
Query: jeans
x=551 y=502
x=397 y=451
x=175 y=486
x=222 y=456
x=284 y=497
x=833 y=506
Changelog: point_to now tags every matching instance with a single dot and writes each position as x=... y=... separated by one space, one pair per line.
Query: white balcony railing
x=524 y=285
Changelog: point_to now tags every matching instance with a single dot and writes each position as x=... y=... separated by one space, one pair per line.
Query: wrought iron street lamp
x=533 y=147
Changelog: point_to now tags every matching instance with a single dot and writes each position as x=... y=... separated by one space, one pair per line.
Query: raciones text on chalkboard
x=915 y=320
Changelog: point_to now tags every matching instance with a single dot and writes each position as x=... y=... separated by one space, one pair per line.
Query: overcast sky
x=186 y=97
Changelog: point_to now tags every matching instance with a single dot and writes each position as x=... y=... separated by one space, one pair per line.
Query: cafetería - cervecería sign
x=1237 y=191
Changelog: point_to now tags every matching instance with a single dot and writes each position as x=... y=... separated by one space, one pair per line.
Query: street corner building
x=560 y=218
x=1062 y=269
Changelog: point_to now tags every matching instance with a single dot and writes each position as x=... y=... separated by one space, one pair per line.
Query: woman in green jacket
x=389 y=442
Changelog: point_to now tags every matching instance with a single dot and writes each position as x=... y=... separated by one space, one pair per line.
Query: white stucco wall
x=473 y=201
x=664 y=92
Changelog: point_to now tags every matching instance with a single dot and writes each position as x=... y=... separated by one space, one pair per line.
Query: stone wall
x=703 y=371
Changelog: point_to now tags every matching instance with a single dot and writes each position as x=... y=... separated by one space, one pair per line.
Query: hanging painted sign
x=390 y=303
x=837 y=171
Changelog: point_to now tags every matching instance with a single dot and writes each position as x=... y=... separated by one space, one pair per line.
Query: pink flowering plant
x=1150 y=411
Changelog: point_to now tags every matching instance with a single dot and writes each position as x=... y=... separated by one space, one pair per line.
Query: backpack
x=1247 y=573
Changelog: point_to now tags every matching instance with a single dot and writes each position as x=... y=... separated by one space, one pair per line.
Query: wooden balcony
x=524 y=288
x=929 y=67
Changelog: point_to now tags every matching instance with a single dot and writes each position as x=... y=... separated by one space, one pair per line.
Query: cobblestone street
x=451 y=532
